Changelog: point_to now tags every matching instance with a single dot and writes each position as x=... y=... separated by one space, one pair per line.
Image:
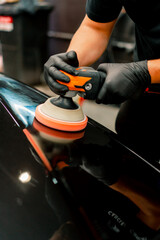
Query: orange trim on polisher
x=59 y=124
x=76 y=82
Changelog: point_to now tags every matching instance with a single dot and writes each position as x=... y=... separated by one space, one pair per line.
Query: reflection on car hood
x=20 y=99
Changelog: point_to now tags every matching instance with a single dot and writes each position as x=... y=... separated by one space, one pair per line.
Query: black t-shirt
x=145 y=14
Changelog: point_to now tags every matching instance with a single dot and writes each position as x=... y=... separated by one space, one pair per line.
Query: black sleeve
x=103 y=10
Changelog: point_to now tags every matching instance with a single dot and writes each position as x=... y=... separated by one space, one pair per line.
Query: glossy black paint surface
x=24 y=211
x=72 y=177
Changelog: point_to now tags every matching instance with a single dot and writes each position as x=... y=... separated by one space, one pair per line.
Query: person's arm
x=154 y=70
x=87 y=45
x=90 y=40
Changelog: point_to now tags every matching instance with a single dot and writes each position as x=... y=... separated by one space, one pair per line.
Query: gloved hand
x=63 y=61
x=124 y=81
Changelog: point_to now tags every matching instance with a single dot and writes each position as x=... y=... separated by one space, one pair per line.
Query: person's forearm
x=154 y=70
x=90 y=41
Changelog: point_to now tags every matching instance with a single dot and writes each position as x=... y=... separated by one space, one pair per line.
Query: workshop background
x=33 y=30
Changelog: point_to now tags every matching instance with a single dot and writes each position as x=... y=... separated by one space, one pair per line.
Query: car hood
x=56 y=185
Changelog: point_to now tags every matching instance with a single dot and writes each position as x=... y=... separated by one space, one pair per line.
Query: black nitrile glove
x=64 y=61
x=124 y=81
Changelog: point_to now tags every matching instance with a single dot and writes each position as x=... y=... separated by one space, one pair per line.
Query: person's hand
x=124 y=81
x=64 y=61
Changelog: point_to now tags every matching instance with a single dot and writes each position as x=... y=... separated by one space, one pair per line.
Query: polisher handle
x=87 y=83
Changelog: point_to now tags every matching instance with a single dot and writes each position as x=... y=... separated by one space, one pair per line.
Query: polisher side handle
x=87 y=82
